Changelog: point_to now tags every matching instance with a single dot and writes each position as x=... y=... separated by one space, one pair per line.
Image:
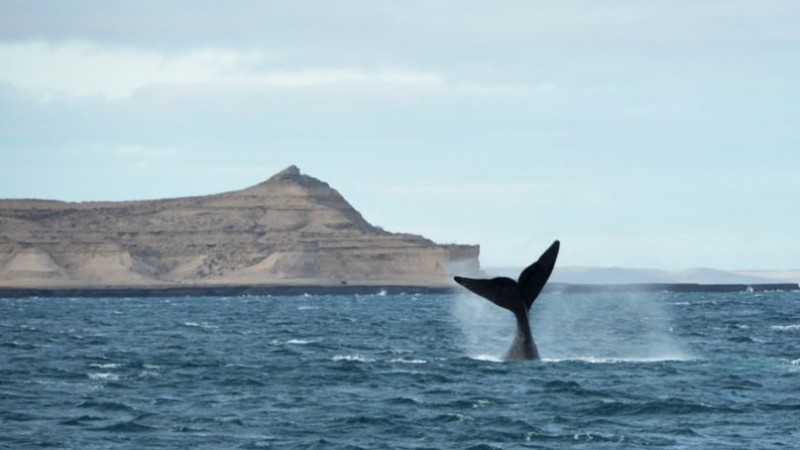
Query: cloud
x=82 y=69
x=111 y=49
x=407 y=28
x=78 y=69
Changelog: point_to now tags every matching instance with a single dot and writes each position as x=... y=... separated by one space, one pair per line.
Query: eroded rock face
x=290 y=229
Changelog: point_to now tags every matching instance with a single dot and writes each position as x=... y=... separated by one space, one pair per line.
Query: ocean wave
x=408 y=361
x=742 y=339
x=18 y=344
x=147 y=374
x=280 y=342
x=598 y=438
x=106 y=406
x=357 y=357
x=794 y=327
x=607 y=408
x=488 y=358
x=623 y=359
x=732 y=326
x=404 y=401
x=562 y=386
x=477 y=404
x=105 y=365
x=126 y=427
x=202 y=325
x=452 y=418
x=103 y=376
x=81 y=420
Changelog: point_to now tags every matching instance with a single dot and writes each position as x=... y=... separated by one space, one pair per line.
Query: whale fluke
x=517 y=297
x=501 y=291
x=532 y=280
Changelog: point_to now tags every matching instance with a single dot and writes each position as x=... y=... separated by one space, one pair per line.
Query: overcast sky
x=641 y=134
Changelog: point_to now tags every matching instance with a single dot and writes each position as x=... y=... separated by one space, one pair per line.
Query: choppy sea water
x=400 y=372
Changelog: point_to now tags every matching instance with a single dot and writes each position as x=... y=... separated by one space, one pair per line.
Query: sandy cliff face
x=291 y=229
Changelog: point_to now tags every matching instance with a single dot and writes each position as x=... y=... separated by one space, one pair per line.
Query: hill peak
x=291 y=172
x=290 y=176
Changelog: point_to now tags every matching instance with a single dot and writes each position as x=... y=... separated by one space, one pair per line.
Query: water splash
x=486 y=329
x=606 y=327
x=591 y=327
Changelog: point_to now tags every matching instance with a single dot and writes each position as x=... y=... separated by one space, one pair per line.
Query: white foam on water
x=148 y=374
x=357 y=357
x=489 y=358
x=201 y=325
x=595 y=360
x=795 y=327
x=105 y=365
x=408 y=361
x=103 y=376
x=278 y=342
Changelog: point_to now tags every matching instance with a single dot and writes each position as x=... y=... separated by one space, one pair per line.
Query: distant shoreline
x=295 y=290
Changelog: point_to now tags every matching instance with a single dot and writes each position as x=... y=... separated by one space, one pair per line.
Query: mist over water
x=487 y=329
x=591 y=327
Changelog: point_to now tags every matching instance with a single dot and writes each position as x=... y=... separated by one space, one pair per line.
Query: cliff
x=289 y=230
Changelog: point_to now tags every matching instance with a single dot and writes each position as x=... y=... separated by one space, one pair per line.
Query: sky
x=641 y=134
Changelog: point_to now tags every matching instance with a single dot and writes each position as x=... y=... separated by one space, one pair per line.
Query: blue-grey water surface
x=663 y=370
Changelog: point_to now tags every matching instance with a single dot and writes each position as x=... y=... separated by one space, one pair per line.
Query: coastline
x=294 y=290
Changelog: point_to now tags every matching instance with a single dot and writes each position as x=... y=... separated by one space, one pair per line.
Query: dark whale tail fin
x=534 y=277
x=517 y=297
x=501 y=291
x=513 y=295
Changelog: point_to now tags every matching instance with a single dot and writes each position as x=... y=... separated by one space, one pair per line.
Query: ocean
x=654 y=370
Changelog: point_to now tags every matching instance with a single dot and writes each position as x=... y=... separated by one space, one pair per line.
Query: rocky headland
x=291 y=230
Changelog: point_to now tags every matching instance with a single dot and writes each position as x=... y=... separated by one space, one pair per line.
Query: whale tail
x=516 y=296
x=501 y=291
x=532 y=280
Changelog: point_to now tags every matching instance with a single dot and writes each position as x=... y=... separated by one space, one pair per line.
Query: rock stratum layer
x=289 y=230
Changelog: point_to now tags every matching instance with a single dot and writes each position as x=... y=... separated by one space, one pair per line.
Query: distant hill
x=289 y=230
x=619 y=275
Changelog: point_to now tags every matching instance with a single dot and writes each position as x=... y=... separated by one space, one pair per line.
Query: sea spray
x=592 y=327
x=487 y=329
x=603 y=326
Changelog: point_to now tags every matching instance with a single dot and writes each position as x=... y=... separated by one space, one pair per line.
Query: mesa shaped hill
x=289 y=230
